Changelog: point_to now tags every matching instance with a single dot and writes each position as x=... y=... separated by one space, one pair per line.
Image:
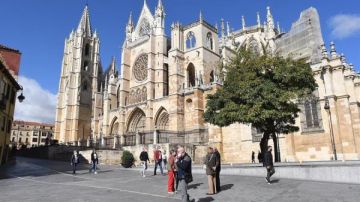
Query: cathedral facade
x=159 y=95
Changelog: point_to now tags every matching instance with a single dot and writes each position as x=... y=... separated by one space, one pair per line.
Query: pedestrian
x=94 y=161
x=158 y=161
x=210 y=162
x=144 y=158
x=171 y=171
x=164 y=159
x=260 y=156
x=183 y=162
x=268 y=163
x=74 y=161
x=252 y=157
x=176 y=174
x=218 y=168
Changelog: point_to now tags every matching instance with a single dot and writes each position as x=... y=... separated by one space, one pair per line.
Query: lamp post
x=327 y=108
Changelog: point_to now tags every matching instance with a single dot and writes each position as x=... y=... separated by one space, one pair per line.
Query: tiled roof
x=32 y=123
x=8 y=48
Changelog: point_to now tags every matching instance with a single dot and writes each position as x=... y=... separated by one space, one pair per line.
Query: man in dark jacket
x=218 y=168
x=144 y=158
x=94 y=161
x=268 y=163
x=183 y=163
x=74 y=161
x=210 y=162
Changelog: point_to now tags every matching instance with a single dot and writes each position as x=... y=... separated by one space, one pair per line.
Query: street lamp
x=327 y=108
x=21 y=97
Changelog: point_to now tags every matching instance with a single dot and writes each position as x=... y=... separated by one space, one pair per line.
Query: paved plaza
x=42 y=180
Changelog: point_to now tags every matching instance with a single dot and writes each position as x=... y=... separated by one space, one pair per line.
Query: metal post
x=327 y=108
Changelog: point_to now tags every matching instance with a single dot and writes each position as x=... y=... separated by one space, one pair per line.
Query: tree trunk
x=276 y=148
x=264 y=145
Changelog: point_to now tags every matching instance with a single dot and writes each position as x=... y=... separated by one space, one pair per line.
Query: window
x=191 y=75
x=43 y=140
x=310 y=115
x=212 y=76
x=209 y=41
x=35 y=133
x=34 y=139
x=190 y=40
x=20 y=140
x=44 y=134
x=87 y=49
x=85 y=86
x=86 y=64
x=26 y=140
x=13 y=139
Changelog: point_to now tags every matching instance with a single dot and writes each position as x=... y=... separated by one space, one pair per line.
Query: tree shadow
x=206 y=199
x=194 y=186
x=226 y=187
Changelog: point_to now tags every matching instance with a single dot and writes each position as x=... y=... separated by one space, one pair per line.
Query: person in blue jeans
x=74 y=161
x=94 y=161
x=158 y=161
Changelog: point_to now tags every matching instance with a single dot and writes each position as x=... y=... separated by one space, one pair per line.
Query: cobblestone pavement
x=42 y=180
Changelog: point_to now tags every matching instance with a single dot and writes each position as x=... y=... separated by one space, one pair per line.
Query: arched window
x=212 y=76
x=85 y=86
x=191 y=75
x=190 y=40
x=87 y=49
x=209 y=41
x=162 y=121
x=312 y=116
x=86 y=64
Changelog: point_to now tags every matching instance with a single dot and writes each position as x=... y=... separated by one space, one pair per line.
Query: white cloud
x=39 y=104
x=344 y=25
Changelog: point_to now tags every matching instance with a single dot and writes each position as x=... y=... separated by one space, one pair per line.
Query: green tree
x=261 y=90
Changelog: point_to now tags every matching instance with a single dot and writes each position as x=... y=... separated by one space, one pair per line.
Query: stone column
x=137 y=138
x=155 y=137
x=114 y=141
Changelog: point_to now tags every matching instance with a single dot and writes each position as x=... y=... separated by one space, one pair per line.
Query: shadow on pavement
x=226 y=187
x=206 y=199
x=194 y=186
x=275 y=181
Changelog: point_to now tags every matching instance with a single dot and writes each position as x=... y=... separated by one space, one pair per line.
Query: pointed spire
x=258 y=19
x=222 y=28
x=324 y=51
x=270 y=19
x=113 y=66
x=95 y=34
x=201 y=16
x=160 y=4
x=216 y=26
x=243 y=23
x=84 y=24
x=228 y=28
x=130 y=21
x=278 y=26
x=333 y=50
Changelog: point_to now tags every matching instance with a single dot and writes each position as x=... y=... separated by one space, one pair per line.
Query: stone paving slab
x=54 y=182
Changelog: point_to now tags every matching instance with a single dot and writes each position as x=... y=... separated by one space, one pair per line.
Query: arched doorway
x=191 y=75
x=136 y=124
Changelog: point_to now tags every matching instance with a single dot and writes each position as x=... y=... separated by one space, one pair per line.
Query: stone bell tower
x=79 y=81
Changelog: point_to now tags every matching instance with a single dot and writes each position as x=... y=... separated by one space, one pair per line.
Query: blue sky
x=38 y=27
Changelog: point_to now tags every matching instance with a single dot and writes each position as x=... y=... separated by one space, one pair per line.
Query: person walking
x=94 y=161
x=268 y=163
x=260 y=157
x=74 y=161
x=158 y=161
x=252 y=157
x=164 y=160
x=210 y=162
x=171 y=172
x=218 y=169
x=183 y=162
x=144 y=158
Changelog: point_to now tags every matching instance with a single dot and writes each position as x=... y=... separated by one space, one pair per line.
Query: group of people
x=178 y=166
x=75 y=160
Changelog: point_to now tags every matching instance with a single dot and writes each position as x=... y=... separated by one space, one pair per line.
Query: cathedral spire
x=130 y=21
x=222 y=28
x=201 y=16
x=270 y=19
x=160 y=4
x=258 y=19
x=243 y=23
x=228 y=28
x=84 y=24
x=113 y=66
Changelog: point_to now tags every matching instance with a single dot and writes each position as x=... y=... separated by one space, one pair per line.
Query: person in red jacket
x=158 y=161
x=171 y=171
